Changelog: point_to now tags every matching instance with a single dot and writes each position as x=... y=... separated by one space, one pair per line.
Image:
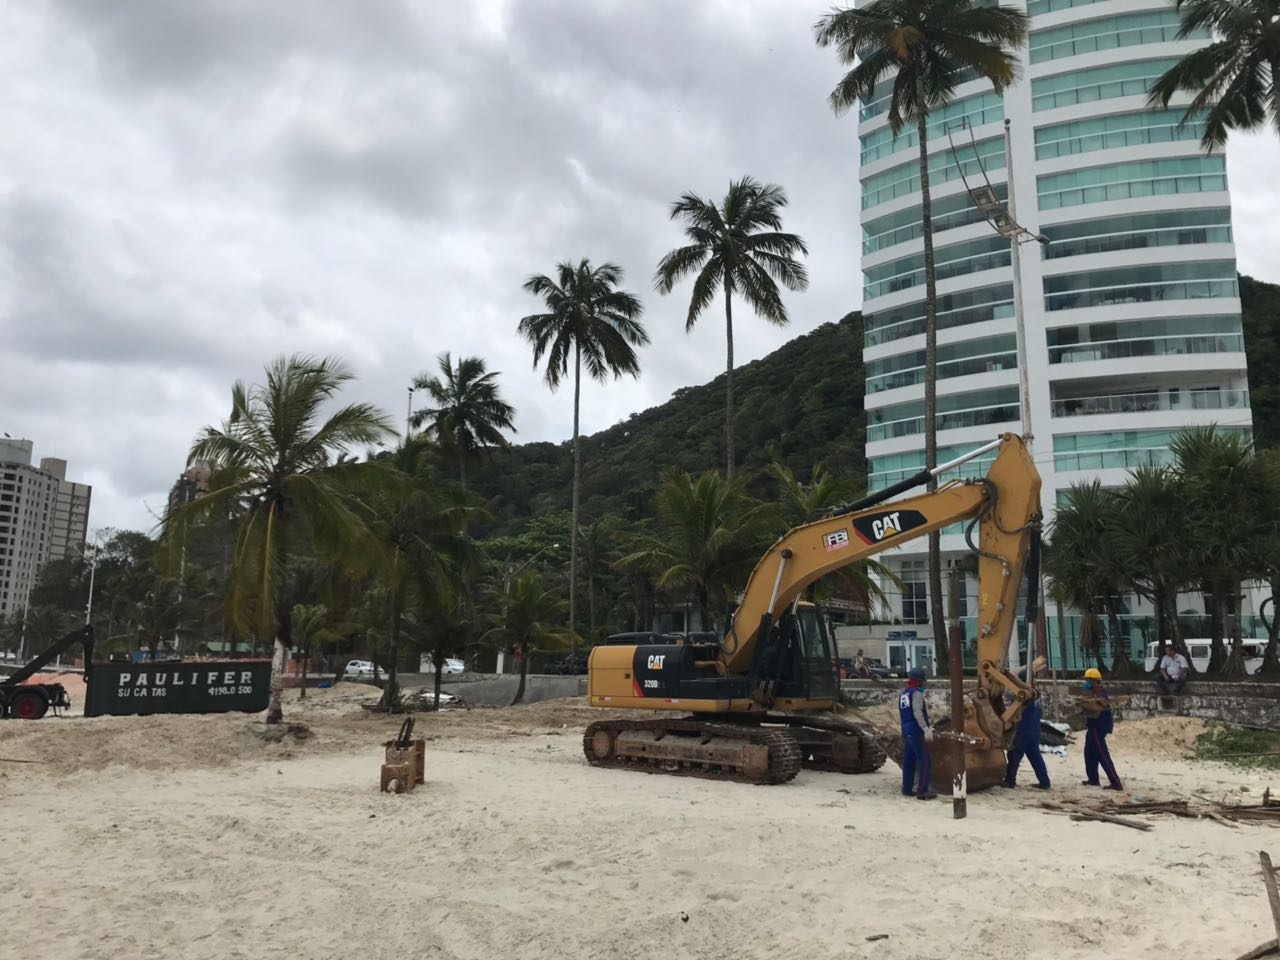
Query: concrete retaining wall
x=497 y=691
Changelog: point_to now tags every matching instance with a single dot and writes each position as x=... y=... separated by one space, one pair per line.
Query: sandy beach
x=166 y=837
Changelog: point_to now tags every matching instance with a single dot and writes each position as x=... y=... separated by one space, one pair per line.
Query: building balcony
x=1152 y=402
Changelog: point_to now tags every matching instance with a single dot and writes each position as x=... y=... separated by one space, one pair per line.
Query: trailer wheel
x=29 y=705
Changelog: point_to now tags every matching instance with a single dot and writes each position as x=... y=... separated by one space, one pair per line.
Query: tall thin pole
x=1024 y=378
x=960 y=779
x=408 y=413
x=1015 y=251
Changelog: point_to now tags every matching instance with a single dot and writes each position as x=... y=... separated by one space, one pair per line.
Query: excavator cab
x=794 y=662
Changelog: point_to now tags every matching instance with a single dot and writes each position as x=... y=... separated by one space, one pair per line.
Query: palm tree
x=422 y=525
x=1221 y=479
x=526 y=614
x=1233 y=78
x=710 y=534
x=736 y=247
x=590 y=323
x=799 y=503
x=1152 y=544
x=469 y=414
x=274 y=465
x=1082 y=566
x=599 y=545
x=310 y=628
x=929 y=47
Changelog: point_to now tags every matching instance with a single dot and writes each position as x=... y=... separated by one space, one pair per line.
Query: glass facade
x=1150 y=401
x=954 y=310
x=1137 y=231
x=883 y=93
x=904 y=179
x=1036 y=8
x=1137 y=178
x=902 y=226
x=954 y=360
x=971 y=111
x=1133 y=79
x=1155 y=337
x=985 y=253
x=1141 y=284
x=883 y=471
x=1106 y=33
x=1115 y=130
x=971 y=409
x=1123 y=449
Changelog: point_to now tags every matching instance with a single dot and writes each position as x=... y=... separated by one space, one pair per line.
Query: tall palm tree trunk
x=1271 y=658
x=391 y=690
x=524 y=673
x=280 y=657
x=728 y=385
x=931 y=388
x=573 y=530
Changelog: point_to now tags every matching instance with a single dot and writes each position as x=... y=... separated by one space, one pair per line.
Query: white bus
x=1198 y=648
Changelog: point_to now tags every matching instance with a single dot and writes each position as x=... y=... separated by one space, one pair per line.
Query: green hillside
x=799 y=405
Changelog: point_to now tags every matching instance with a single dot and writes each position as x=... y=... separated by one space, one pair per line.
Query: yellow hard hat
x=1093 y=673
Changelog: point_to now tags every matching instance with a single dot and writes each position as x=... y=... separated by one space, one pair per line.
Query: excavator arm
x=1005 y=507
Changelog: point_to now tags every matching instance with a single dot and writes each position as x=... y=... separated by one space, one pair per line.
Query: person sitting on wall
x=1172 y=671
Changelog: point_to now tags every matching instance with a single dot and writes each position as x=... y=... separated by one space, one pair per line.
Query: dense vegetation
x=800 y=405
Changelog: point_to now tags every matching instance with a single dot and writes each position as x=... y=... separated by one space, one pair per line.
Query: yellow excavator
x=757 y=705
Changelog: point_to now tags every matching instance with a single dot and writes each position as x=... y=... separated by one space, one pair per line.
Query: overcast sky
x=188 y=189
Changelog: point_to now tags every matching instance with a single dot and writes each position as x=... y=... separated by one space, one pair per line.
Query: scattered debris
x=877 y=936
x=1227 y=814
x=684 y=917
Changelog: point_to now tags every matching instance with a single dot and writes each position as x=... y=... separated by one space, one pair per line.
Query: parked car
x=641 y=637
x=361 y=670
x=571 y=664
x=878 y=670
x=452 y=665
x=1200 y=648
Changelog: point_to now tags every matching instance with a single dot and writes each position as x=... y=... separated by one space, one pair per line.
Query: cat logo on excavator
x=881 y=526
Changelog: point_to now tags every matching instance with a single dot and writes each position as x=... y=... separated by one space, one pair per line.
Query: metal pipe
x=1015 y=250
x=965 y=458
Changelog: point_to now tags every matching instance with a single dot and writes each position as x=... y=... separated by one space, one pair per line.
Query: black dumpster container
x=177 y=686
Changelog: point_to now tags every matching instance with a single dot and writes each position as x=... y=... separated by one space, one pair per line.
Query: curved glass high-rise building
x=1132 y=311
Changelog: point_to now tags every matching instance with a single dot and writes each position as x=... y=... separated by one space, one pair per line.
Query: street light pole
x=408 y=413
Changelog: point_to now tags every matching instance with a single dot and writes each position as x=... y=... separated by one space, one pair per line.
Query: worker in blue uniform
x=1096 y=705
x=1026 y=739
x=917 y=734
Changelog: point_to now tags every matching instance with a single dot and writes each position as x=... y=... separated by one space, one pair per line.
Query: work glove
x=928 y=735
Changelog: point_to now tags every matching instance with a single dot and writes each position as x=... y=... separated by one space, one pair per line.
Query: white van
x=1199 y=647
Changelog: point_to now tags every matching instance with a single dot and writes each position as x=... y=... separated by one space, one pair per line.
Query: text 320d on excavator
x=755 y=702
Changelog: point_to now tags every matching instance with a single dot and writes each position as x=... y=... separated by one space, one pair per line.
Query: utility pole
x=955 y=640
x=408 y=413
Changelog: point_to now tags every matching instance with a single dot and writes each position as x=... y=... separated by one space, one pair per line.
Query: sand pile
x=1159 y=738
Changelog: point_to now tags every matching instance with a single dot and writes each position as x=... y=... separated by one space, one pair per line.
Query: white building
x=43 y=516
x=1132 y=312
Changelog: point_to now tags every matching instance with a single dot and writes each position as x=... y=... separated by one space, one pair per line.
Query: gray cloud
x=188 y=189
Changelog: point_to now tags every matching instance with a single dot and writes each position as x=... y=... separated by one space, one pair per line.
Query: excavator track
x=695 y=748
x=833 y=744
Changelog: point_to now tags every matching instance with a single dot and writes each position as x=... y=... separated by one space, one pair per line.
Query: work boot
x=1113 y=786
x=1007 y=785
x=929 y=795
x=1090 y=783
x=1040 y=786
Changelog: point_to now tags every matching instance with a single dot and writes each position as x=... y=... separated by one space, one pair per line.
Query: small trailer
x=31 y=701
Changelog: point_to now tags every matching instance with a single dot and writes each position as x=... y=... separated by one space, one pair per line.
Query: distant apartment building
x=1131 y=312
x=43 y=516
